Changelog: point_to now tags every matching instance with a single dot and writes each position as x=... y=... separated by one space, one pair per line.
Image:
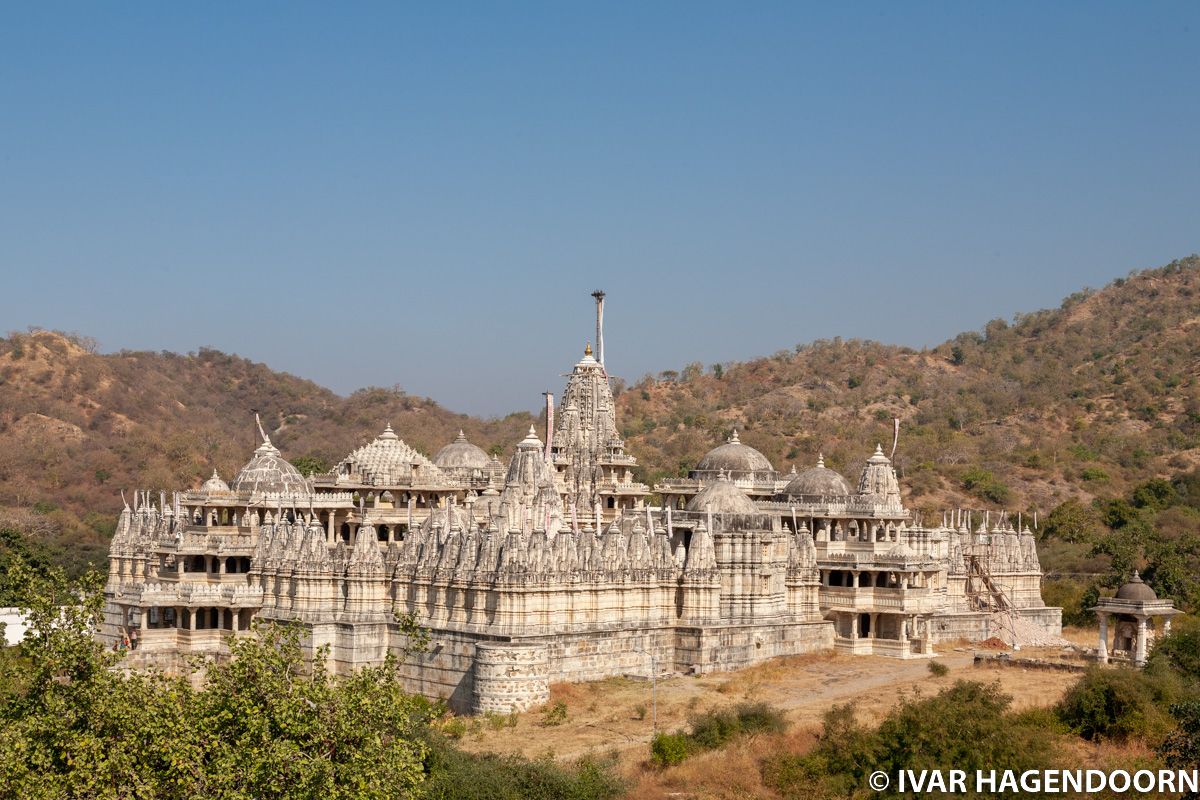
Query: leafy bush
x=554 y=714
x=1120 y=704
x=265 y=723
x=1178 y=652
x=938 y=669
x=456 y=775
x=967 y=725
x=983 y=483
x=669 y=749
x=1074 y=597
x=714 y=729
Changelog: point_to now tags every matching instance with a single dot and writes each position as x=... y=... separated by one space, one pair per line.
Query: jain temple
x=560 y=565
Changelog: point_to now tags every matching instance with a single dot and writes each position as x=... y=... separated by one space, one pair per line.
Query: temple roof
x=461 y=454
x=1137 y=589
x=268 y=471
x=387 y=459
x=818 y=481
x=215 y=485
x=734 y=457
x=722 y=496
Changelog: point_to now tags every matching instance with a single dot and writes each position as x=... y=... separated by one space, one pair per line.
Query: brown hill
x=1081 y=400
x=77 y=426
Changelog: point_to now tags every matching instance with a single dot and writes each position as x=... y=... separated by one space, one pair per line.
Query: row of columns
x=224 y=618
x=907 y=580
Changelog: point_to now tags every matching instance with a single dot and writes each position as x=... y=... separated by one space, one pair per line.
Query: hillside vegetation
x=1085 y=401
x=1080 y=401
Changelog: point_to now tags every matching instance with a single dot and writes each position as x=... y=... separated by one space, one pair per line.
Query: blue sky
x=425 y=195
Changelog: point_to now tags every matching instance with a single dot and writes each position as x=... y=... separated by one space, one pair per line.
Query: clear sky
x=425 y=195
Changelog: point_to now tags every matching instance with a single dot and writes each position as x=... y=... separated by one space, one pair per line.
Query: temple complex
x=559 y=565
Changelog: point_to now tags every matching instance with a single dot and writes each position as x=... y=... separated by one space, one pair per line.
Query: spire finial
x=587 y=350
x=820 y=461
x=733 y=437
x=258 y=421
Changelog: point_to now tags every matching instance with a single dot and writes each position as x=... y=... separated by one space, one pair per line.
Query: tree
x=310 y=465
x=263 y=725
x=1072 y=521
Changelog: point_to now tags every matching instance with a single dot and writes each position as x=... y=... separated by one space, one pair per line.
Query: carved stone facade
x=556 y=568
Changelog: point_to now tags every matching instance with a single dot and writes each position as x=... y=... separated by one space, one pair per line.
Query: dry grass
x=604 y=715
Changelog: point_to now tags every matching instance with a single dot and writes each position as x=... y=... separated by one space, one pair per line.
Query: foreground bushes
x=456 y=775
x=968 y=725
x=1121 y=704
x=715 y=729
x=264 y=725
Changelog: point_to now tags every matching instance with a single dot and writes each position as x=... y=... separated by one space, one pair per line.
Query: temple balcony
x=914 y=600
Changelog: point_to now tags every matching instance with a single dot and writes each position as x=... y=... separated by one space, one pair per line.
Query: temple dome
x=268 y=471
x=818 y=481
x=734 y=457
x=461 y=454
x=1137 y=590
x=722 y=496
x=215 y=485
x=387 y=460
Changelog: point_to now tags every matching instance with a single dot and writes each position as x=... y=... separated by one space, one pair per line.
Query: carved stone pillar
x=1139 y=653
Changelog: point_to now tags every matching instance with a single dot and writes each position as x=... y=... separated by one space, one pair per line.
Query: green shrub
x=938 y=669
x=554 y=714
x=983 y=483
x=1074 y=597
x=669 y=749
x=456 y=775
x=967 y=725
x=714 y=729
x=1120 y=704
x=1178 y=652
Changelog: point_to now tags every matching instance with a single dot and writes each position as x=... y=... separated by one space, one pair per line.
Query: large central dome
x=735 y=458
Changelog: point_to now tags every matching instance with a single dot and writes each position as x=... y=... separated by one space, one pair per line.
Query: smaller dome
x=268 y=471
x=722 y=496
x=215 y=485
x=461 y=454
x=818 y=481
x=1138 y=590
x=734 y=457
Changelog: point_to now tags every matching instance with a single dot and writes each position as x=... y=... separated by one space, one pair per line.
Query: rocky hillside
x=76 y=427
x=1082 y=400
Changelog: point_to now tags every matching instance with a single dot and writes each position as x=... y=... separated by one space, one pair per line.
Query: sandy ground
x=618 y=713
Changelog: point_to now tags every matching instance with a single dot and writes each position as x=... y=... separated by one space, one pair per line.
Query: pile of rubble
x=1014 y=630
